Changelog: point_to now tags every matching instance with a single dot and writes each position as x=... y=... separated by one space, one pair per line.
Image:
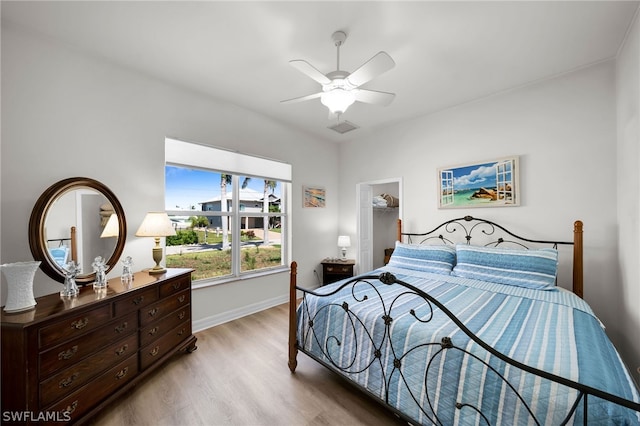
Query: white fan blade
x=380 y=63
x=302 y=98
x=373 y=96
x=308 y=69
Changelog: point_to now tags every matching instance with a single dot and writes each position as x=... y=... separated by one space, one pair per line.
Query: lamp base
x=157 y=271
x=157 y=257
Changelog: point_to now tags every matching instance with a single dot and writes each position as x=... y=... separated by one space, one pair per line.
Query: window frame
x=174 y=146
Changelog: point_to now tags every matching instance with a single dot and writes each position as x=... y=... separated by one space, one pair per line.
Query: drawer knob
x=181 y=315
x=70 y=408
x=153 y=312
x=182 y=331
x=120 y=374
x=66 y=382
x=182 y=298
x=80 y=324
x=68 y=353
x=122 y=350
x=154 y=351
x=138 y=300
x=122 y=327
x=177 y=285
x=153 y=331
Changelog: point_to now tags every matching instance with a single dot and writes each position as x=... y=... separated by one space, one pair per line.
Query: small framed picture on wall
x=492 y=183
x=313 y=196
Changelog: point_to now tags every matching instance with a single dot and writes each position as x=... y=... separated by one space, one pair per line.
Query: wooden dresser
x=69 y=357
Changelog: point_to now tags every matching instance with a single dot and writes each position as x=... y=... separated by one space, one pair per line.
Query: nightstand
x=335 y=269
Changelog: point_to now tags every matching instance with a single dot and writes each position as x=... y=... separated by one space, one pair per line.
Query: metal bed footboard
x=389 y=371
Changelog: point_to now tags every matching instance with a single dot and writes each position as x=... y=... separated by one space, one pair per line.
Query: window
x=504 y=181
x=446 y=185
x=203 y=186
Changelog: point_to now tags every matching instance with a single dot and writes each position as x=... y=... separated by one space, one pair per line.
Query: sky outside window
x=185 y=187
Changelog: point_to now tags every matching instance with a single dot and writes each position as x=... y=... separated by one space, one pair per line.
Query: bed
x=64 y=250
x=466 y=325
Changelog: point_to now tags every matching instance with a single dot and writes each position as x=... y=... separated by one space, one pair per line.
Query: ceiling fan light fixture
x=340 y=88
x=337 y=100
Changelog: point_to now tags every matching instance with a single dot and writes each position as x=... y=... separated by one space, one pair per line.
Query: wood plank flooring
x=239 y=376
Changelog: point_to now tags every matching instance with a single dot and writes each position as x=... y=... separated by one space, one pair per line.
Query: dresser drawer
x=86 y=397
x=135 y=301
x=80 y=373
x=67 y=354
x=175 y=286
x=158 y=310
x=158 y=328
x=74 y=326
x=155 y=350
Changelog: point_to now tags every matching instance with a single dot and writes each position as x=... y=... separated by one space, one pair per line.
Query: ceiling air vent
x=343 y=127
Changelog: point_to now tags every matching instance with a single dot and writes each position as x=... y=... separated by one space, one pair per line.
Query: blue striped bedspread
x=404 y=363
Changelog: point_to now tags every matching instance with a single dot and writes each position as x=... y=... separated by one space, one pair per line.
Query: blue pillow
x=519 y=267
x=436 y=259
x=59 y=255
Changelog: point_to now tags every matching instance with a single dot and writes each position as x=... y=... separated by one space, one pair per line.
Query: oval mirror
x=76 y=219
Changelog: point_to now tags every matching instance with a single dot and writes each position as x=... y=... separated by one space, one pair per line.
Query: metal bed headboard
x=468 y=227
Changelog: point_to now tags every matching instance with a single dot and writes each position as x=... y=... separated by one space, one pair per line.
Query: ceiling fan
x=340 y=88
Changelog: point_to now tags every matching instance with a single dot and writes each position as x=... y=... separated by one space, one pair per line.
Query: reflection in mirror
x=73 y=228
x=76 y=219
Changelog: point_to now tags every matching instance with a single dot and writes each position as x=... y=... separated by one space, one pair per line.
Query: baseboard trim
x=221 y=318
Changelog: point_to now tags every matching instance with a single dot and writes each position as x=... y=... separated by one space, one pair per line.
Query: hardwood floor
x=239 y=376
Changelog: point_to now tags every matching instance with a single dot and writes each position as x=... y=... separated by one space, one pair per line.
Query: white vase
x=19 y=277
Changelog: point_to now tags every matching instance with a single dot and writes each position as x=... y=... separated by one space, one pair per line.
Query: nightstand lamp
x=344 y=241
x=156 y=224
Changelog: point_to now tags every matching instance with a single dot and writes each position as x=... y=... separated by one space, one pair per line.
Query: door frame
x=364 y=254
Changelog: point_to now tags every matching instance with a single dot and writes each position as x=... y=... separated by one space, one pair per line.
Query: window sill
x=210 y=282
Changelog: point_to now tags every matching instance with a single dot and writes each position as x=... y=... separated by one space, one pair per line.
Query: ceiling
x=446 y=53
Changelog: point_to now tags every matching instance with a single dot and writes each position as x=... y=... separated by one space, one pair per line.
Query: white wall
x=66 y=114
x=564 y=130
x=628 y=179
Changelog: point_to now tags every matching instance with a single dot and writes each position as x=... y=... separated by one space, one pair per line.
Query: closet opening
x=379 y=205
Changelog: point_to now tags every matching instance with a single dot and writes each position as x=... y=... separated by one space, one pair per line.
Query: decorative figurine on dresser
x=100 y=268
x=70 y=356
x=71 y=271
x=127 y=270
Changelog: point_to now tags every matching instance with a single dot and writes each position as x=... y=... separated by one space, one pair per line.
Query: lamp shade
x=112 y=228
x=156 y=224
x=344 y=241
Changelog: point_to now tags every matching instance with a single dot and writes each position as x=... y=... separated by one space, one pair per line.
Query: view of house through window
x=213 y=210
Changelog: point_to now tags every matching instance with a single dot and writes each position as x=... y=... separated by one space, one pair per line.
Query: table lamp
x=156 y=225
x=344 y=241
x=112 y=228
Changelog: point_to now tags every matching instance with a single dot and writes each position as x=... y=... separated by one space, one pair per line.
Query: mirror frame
x=37 y=221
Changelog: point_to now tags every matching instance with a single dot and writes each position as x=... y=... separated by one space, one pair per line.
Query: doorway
x=377 y=223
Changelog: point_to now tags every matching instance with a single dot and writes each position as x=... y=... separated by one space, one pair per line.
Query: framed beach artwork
x=492 y=183
x=313 y=196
